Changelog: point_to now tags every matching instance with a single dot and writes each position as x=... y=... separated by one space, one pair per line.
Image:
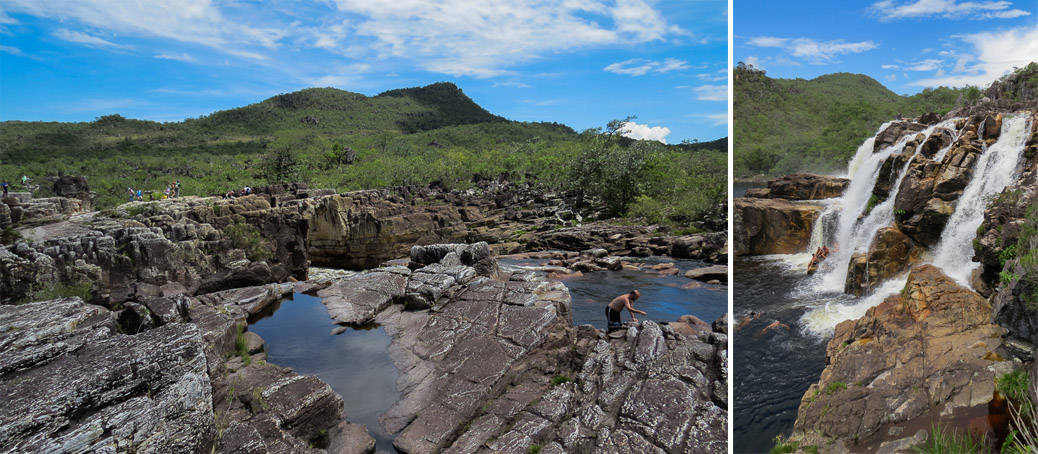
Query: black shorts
x=612 y=319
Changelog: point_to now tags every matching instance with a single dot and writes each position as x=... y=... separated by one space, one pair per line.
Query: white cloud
x=483 y=38
x=953 y=9
x=84 y=39
x=753 y=61
x=641 y=66
x=188 y=21
x=512 y=84
x=179 y=57
x=645 y=132
x=10 y=50
x=994 y=55
x=890 y=66
x=718 y=76
x=929 y=64
x=345 y=75
x=711 y=92
x=811 y=50
x=718 y=119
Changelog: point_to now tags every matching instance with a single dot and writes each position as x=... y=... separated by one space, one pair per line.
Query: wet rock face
x=928 y=351
x=494 y=365
x=890 y=254
x=772 y=226
x=90 y=388
x=801 y=186
x=895 y=132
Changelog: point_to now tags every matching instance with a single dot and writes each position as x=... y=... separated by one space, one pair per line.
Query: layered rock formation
x=199 y=245
x=772 y=226
x=929 y=352
x=801 y=186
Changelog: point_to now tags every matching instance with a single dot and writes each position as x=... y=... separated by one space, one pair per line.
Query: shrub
x=560 y=379
x=783 y=446
x=248 y=238
x=55 y=290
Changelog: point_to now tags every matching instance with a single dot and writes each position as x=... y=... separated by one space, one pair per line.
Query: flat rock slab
x=90 y=388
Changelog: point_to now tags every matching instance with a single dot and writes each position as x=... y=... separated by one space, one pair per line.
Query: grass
x=783 y=446
x=534 y=449
x=241 y=345
x=835 y=386
x=941 y=441
x=560 y=379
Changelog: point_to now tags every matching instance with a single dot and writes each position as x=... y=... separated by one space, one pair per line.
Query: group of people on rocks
x=25 y=184
x=172 y=190
x=238 y=193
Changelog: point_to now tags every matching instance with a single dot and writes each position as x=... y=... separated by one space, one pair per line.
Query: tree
x=281 y=166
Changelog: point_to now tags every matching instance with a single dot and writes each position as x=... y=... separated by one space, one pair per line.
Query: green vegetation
x=534 y=449
x=560 y=379
x=248 y=238
x=1014 y=385
x=432 y=134
x=943 y=442
x=783 y=446
x=789 y=125
x=54 y=290
x=835 y=386
x=241 y=347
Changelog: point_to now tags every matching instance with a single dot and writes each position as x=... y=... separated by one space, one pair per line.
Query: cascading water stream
x=995 y=169
x=854 y=233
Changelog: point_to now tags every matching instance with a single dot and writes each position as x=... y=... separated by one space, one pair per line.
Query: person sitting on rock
x=4 y=184
x=616 y=307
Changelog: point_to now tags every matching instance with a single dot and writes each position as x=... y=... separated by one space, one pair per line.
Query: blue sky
x=577 y=62
x=905 y=44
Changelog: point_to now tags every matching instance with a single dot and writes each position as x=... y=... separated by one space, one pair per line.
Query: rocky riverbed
x=155 y=354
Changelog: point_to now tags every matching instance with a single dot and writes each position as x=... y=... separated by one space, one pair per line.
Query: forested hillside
x=338 y=139
x=789 y=125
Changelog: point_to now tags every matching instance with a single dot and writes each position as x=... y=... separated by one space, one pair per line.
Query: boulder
x=890 y=254
x=927 y=353
x=718 y=272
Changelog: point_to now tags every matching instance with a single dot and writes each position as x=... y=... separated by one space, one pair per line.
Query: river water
x=663 y=297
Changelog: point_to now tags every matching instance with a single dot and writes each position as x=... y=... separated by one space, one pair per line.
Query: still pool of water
x=355 y=363
x=662 y=296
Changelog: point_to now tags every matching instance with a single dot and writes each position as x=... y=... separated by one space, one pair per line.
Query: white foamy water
x=994 y=170
x=822 y=320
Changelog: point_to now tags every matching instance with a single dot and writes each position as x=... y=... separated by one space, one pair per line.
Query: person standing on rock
x=617 y=306
x=4 y=184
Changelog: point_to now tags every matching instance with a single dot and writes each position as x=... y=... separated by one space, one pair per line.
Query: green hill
x=788 y=125
x=408 y=136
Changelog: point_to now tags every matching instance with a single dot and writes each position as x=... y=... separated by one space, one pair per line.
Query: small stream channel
x=355 y=363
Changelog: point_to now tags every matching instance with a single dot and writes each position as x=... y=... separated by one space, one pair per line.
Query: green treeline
x=789 y=125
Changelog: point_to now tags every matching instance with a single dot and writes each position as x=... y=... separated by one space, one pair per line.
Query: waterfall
x=995 y=169
x=854 y=233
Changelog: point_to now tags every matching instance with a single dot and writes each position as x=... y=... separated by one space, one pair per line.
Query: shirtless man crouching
x=617 y=306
